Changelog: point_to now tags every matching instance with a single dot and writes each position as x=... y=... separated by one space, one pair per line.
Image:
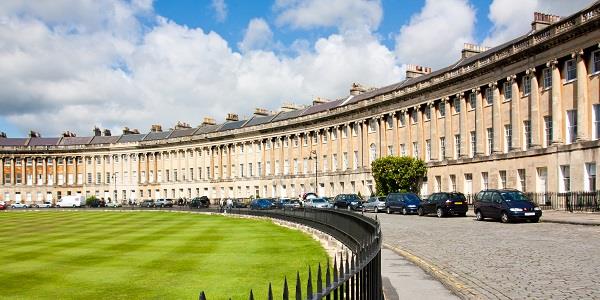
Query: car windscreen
x=318 y=200
x=514 y=196
x=457 y=197
x=350 y=197
x=411 y=199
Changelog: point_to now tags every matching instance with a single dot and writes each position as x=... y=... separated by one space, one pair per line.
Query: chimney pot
x=232 y=117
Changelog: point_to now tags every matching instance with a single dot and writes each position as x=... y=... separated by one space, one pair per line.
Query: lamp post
x=313 y=155
x=114 y=176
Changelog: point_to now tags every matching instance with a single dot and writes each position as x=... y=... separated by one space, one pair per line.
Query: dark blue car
x=506 y=205
x=261 y=204
x=407 y=203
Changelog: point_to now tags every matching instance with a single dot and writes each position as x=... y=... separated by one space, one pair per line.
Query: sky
x=75 y=64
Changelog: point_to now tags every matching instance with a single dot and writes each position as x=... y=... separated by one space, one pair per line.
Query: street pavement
x=501 y=261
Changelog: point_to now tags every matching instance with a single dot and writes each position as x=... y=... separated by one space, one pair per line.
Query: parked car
x=406 y=203
x=280 y=204
x=148 y=203
x=199 y=202
x=71 y=201
x=293 y=204
x=506 y=205
x=239 y=204
x=347 y=201
x=19 y=205
x=261 y=204
x=444 y=204
x=114 y=204
x=2 y=206
x=317 y=203
x=163 y=203
x=374 y=204
x=45 y=204
x=98 y=203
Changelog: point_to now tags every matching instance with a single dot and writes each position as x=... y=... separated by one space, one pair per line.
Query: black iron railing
x=355 y=275
x=569 y=201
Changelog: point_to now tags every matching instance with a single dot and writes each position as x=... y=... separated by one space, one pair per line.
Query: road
x=502 y=261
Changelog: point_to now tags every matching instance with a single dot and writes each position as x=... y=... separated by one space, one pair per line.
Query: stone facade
x=522 y=115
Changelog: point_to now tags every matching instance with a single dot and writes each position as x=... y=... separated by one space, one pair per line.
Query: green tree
x=394 y=174
x=89 y=200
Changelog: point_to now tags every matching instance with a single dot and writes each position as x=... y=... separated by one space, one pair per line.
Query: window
x=457 y=146
x=456 y=105
x=268 y=168
x=334 y=134
x=502 y=177
x=571 y=126
x=472 y=100
x=489 y=96
x=507 y=91
x=355 y=160
x=295 y=166
x=403 y=149
x=286 y=167
x=473 y=144
x=571 y=70
x=442 y=109
x=522 y=180
x=345 y=160
x=415 y=149
x=526 y=85
x=468 y=184
x=442 y=148
x=595 y=121
x=484 y=180
x=325 y=163
x=490 y=140
x=241 y=170
x=354 y=129
x=334 y=162
x=372 y=126
x=415 y=116
x=427 y=113
x=286 y=143
x=389 y=122
x=324 y=135
x=507 y=138
x=268 y=145
x=595 y=61
x=547 y=130
x=565 y=175
x=344 y=131
x=276 y=167
x=453 y=183
x=295 y=142
x=526 y=135
x=402 y=119
x=259 y=168
x=547 y=78
x=89 y=178
x=98 y=178
x=305 y=166
x=372 y=153
x=590 y=182
x=304 y=140
x=438 y=184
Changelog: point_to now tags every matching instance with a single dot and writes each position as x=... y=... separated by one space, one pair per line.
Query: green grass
x=147 y=255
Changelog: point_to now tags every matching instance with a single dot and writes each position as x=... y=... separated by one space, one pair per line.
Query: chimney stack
x=413 y=71
x=208 y=121
x=97 y=131
x=472 y=49
x=319 y=100
x=68 y=134
x=261 y=112
x=107 y=132
x=286 y=107
x=355 y=89
x=127 y=131
x=232 y=117
x=182 y=125
x=34 y=134
x=2 y=134
x=541 y=20
x=156 y=128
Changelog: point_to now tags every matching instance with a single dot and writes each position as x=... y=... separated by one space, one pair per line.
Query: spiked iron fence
x=355 y=275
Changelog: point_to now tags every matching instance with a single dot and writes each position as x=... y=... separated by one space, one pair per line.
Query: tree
x=394 y=174
x=90 y=200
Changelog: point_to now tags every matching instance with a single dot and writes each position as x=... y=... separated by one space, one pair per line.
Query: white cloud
x=258 y=35
x=509 y=23
x=342 y=14
x=220 y=8
x=66 y=73
x=435 y=36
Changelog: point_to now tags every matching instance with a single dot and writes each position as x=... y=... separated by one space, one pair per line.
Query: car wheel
x=504 y=218
x=478 y=216
x=376 y=210
x=37 y=206
x=404 y=211
x=73 y=205
x=348 y=207
x=420 y=212
x=440 y=212
x=388 y=210
x=535 y=220
x=335 y=207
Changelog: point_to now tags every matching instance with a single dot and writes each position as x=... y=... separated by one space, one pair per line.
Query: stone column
x=448 y=127
x=479 y=123
x=534 y=113
x=363 y=143
x=496 y=122
x=13 y=169
x=23 y=171
x=45 y=171
x=464 y=141
x=381 y=128
x=34 y=171
x=557 y=132
x=2 y=170
x=407 y=132
x=433 y=131
x=514 y=113
x=420 y=131
x=582 y=95
x=55 y=171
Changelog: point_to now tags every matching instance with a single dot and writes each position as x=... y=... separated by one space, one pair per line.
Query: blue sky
x=75 y=64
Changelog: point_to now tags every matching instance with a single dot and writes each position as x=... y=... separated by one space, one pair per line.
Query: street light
x=313 y=155
x=114 y=176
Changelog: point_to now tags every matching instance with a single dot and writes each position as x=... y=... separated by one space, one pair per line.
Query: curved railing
x=355 y=275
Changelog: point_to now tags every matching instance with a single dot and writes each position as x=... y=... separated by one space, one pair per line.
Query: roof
x=257 y=120
x=206 y=129
x=104 y=140
x=321 y=107
x=232 y=125
x=182 y=132
x=43 y=141
x=131 y=138
x=70 y=141
x=288 y=115
x=160 y=135
x=13 y=141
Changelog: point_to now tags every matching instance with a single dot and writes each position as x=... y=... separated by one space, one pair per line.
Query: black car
x=506 y=205
x=347 y=201
x=199 y=202
x=407 y=203
x=444 y=204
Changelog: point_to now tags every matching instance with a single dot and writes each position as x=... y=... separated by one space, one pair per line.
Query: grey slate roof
x=257 y=120
x=182 y=132
x=13 y=141
x=206 y=129
x=131 y=138
x=153 y=136
x=288 y=115
x=104 y=140
x=43 y=141
x=322 y=107
x=232 y=125
x=71 y=141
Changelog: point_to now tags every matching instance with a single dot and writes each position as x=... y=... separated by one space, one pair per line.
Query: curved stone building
x=525 y=115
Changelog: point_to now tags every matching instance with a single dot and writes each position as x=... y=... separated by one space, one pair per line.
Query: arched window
x=372 y=153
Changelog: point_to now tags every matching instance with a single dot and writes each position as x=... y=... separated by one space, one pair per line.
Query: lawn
x=147 y=255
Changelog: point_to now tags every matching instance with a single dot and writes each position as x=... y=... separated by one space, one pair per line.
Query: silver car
x=19 y=205
x=317 y=203
x=375 y=204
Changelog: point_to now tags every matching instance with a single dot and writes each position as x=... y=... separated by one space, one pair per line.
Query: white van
x=71 y=201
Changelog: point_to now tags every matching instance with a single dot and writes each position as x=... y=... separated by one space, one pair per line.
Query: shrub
x=393 y=174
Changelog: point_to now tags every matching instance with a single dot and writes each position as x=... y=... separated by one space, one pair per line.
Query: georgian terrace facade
x=522 y=115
